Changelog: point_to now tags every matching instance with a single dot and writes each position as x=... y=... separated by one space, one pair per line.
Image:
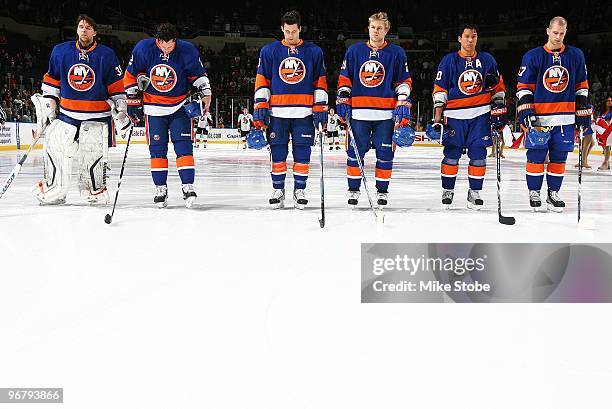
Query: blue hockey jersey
x=459 y=84
x=171 y=74
x=375 y=77
x=291 y=80
x=554 y=78
x=83 y=80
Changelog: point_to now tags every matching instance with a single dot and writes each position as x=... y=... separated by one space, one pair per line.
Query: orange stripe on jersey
x=382 y=173
x=50 y=80
x=353 y=171
x=302 y=168
x=129 y=80
x=278 y=167
x=476 y=170
x=184 y=161
x=319 y=108
x=449 y=170
x=476 y=100
x=373 y=102
x=159 y=163
x=500 y=87
x=582 y=85
x=406 y=81
x=554 y=107
x=261 y=82
x=161 y=100
x=321 y=83
x=344 y=82
x=522 y=85
x=438 y=89
x=291 y=99
x=116 y=87
x=84 y=106
x=556 y=168
x=263 y=104
x=534 y=168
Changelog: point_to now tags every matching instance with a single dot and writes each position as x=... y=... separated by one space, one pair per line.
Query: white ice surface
x=232 y=305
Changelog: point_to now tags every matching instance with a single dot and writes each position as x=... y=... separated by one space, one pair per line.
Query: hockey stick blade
x=507 y=220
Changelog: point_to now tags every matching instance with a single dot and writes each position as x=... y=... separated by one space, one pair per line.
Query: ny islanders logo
x=81 y=77
x=163 y=77
x=556 y=78
x=292 y=70
x=470 y=82
x=371 y=73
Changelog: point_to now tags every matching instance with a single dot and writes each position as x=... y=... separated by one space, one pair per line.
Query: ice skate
x=299 y=199
x=278 y=199
x=554 y=202
x=381 y=199
x=447 y=197
x=189 y=195
x=353 y=197
x=534 y=200
x=161 y=196
x=474 y=200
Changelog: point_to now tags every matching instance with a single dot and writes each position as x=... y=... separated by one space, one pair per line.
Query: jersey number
x=439 y=76
x=521 y=71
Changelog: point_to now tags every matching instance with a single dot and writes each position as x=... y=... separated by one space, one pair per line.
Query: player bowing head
x=166 y=35
x=557 y=28
x=291 y=26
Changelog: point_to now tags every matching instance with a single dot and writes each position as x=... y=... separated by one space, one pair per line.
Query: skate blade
x=161 y=205
x=473 y=206
x=189 y=202
x=555 y=209
x=277 y=206
x=299 y=206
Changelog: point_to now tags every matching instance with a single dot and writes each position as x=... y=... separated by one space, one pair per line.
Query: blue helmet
x=194 y=109
x=403 y=136
x=256 y=139
x=433 y=133
x=537 y=137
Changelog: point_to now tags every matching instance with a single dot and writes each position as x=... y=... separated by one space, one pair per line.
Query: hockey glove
x=401 y=113
x=499 y=116
x=261 y=114
x=135 y=109
x=526 y=113
x=319 y=116
x=584 y=113
x=344 y=106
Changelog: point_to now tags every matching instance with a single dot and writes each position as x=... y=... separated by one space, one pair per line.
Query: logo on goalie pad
x=470 y=82
x=292 y=70
x=556 y=78
x=371 y=73
x=163 y=77
x=81 y=77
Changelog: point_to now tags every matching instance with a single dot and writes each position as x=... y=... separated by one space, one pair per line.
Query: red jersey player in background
x=552 y=91
x=603 y=131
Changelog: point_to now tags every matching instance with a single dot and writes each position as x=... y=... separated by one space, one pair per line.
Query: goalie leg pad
x=59 y=149
x=93 y=159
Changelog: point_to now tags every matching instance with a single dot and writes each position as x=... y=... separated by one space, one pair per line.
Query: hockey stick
x=507 y=220
x=109 y=217
x=351 y=136
x=322 y=183
x=580 y=171
x=17 y=168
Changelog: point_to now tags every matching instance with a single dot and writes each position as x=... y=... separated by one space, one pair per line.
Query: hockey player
x=469 y=99
x=245 y=121
x=84 y=79
x=204 y=123
x=333 y=120
x=173 y=67
x=603 y=131
x=373 y=90
x=552 y=91
x=290 y=99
